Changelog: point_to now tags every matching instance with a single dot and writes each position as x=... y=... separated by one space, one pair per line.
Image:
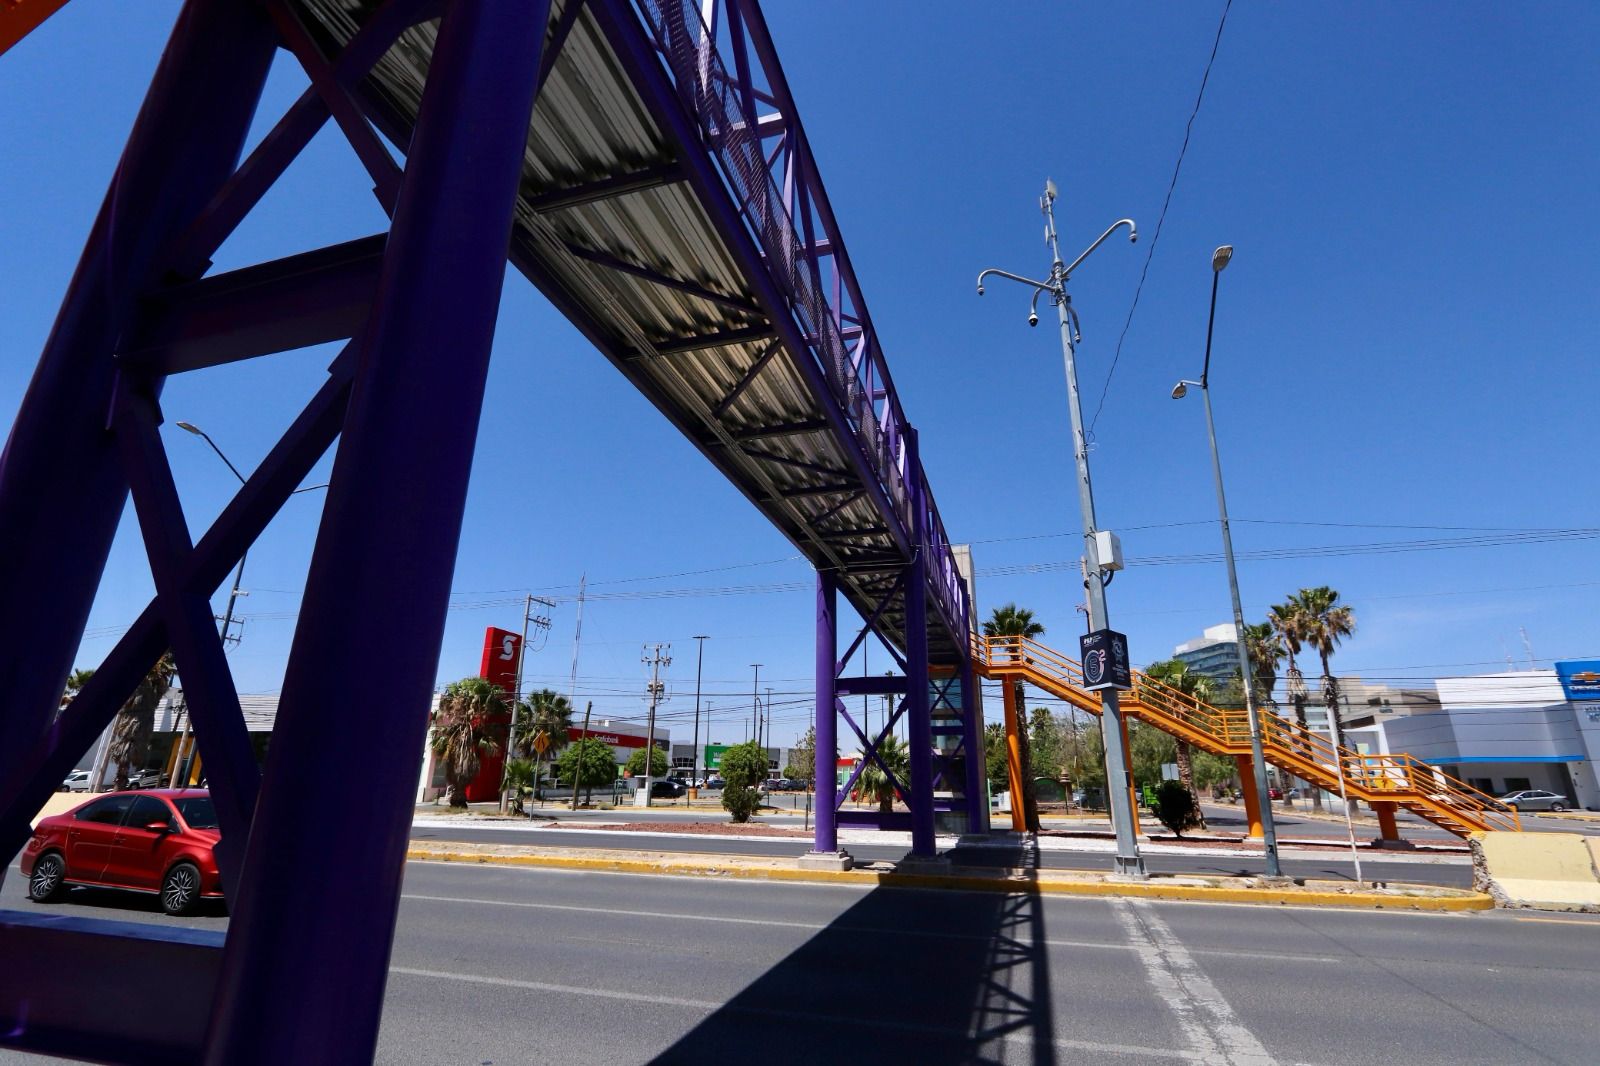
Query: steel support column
x=314 y=922
x=919 y=726
x=827 y=725
x=1251 y=795
x=1019 y=802
x=1387 y=828
x=60 y=470
x=973 y=747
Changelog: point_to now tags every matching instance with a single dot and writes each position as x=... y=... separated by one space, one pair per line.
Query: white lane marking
x=1207 y=1021
x=814 y=1017
x=776 y=923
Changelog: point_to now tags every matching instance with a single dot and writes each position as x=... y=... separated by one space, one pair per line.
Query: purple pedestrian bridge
x=645 y=165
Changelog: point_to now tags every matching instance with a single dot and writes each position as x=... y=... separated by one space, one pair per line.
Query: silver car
x=1533 y=799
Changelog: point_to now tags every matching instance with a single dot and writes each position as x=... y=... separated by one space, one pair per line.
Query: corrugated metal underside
x=610 y=232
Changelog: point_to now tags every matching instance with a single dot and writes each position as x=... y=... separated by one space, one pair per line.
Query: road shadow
x=938 y=976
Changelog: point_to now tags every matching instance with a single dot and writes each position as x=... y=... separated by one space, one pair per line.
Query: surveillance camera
x=1033 y=318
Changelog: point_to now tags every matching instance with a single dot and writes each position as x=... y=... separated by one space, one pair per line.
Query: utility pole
x=755 y=704
x=1119 y=779
x=654 y=657
x=583 y=740
x=541 y=622
x=694 y=752
x=577 y=639
x=767 y=718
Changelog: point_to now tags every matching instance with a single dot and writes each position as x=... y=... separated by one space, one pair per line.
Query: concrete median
x=1538 y=871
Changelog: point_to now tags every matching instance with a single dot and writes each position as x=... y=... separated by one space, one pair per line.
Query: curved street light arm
x=1133 y=236
x=1046 y=286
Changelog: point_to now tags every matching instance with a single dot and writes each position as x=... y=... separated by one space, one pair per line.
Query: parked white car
x=77 y=781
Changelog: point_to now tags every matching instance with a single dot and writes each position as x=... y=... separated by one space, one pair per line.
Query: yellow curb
x=721 y=866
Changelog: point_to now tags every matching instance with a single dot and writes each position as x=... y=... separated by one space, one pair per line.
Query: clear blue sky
x=1404 y=338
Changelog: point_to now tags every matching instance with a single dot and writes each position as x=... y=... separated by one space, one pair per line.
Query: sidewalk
x=1213 y=889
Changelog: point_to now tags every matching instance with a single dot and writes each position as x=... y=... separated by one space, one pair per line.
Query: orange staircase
x=1400 y=780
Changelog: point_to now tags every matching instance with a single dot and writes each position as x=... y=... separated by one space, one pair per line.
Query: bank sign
x=1580 y=678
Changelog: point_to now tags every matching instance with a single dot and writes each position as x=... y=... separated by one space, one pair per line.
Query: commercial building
x=1508 y=731
x=1214 y=654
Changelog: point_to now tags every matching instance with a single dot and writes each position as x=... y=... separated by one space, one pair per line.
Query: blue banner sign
x=1580 y=678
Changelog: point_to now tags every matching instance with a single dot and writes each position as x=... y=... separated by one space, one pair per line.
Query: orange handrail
x=1397 y=778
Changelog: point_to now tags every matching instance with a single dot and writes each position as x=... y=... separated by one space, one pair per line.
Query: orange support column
x=1252 y=797
x=1387 y=830
x=1019 y=817
x=1133 y=794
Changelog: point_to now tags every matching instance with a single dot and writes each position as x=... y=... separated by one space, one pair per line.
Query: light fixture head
x=1180 y=390
x=1220 y=257
x=190 y=427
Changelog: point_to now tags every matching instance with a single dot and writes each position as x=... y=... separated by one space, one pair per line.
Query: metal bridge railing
x=723 y=107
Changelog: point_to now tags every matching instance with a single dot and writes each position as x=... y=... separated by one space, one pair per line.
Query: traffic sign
x=541 y=742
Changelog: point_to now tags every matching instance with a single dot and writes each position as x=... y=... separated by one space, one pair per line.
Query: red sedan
x=160 y=841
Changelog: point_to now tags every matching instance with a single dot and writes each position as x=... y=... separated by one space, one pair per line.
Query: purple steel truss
x=417 y=306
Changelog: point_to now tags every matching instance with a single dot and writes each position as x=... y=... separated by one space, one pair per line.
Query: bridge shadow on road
x=929 y=976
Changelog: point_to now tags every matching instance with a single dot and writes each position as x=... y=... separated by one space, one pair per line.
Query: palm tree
x=462 y=731
x=547 y=712
x=874 y=783
x=1014 y=621
x=130 y=730
x=75 y=682
x=1175 y=674
x=1327 y=623
x=1266 y=652
x=1288 y=622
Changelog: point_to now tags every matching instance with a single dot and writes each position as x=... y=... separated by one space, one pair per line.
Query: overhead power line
x=1171 y=185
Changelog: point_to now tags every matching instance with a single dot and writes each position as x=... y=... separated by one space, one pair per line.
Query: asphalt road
x=1329 y=864
x=495 y=966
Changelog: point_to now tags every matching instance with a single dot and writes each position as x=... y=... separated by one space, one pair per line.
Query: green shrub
x=743 y=767
x=1176 y=808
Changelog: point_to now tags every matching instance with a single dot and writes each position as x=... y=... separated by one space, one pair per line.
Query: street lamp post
x=1269 y=832
x=1128 y=860
x=694 y=752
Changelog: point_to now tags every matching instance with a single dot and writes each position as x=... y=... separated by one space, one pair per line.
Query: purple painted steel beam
x=781 y=429
x=827 y=723
x=622 y=30
x=920 y=728
x=378 y=34
x=655 y=277
x=798 y=464
x=748 y=379
x=62 y=487
x=317 y=949
x=258 y=500
x=841 y=505
x=972 y=742
x=374 y=157
x=265 y=165
x=872 y=620
x=558 y=41
x=295 y=302
x=605 y=188
x=720 y=339
x=191 y=631
x=872 y=685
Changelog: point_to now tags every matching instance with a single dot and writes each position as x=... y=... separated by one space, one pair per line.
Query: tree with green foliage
x=1176 y=675
x=1176 y=808
x=995 y=758
x=464 y=729
x=519 y=777
x=744 y=767
x=1262 y=644
x=547 y=712
x=1013 y=621
x=875 y=784
x=1289 y=623
x=587 y=763
x=1325 y=624
x=658 y=763
x=803 y=758
x=1046 y=742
